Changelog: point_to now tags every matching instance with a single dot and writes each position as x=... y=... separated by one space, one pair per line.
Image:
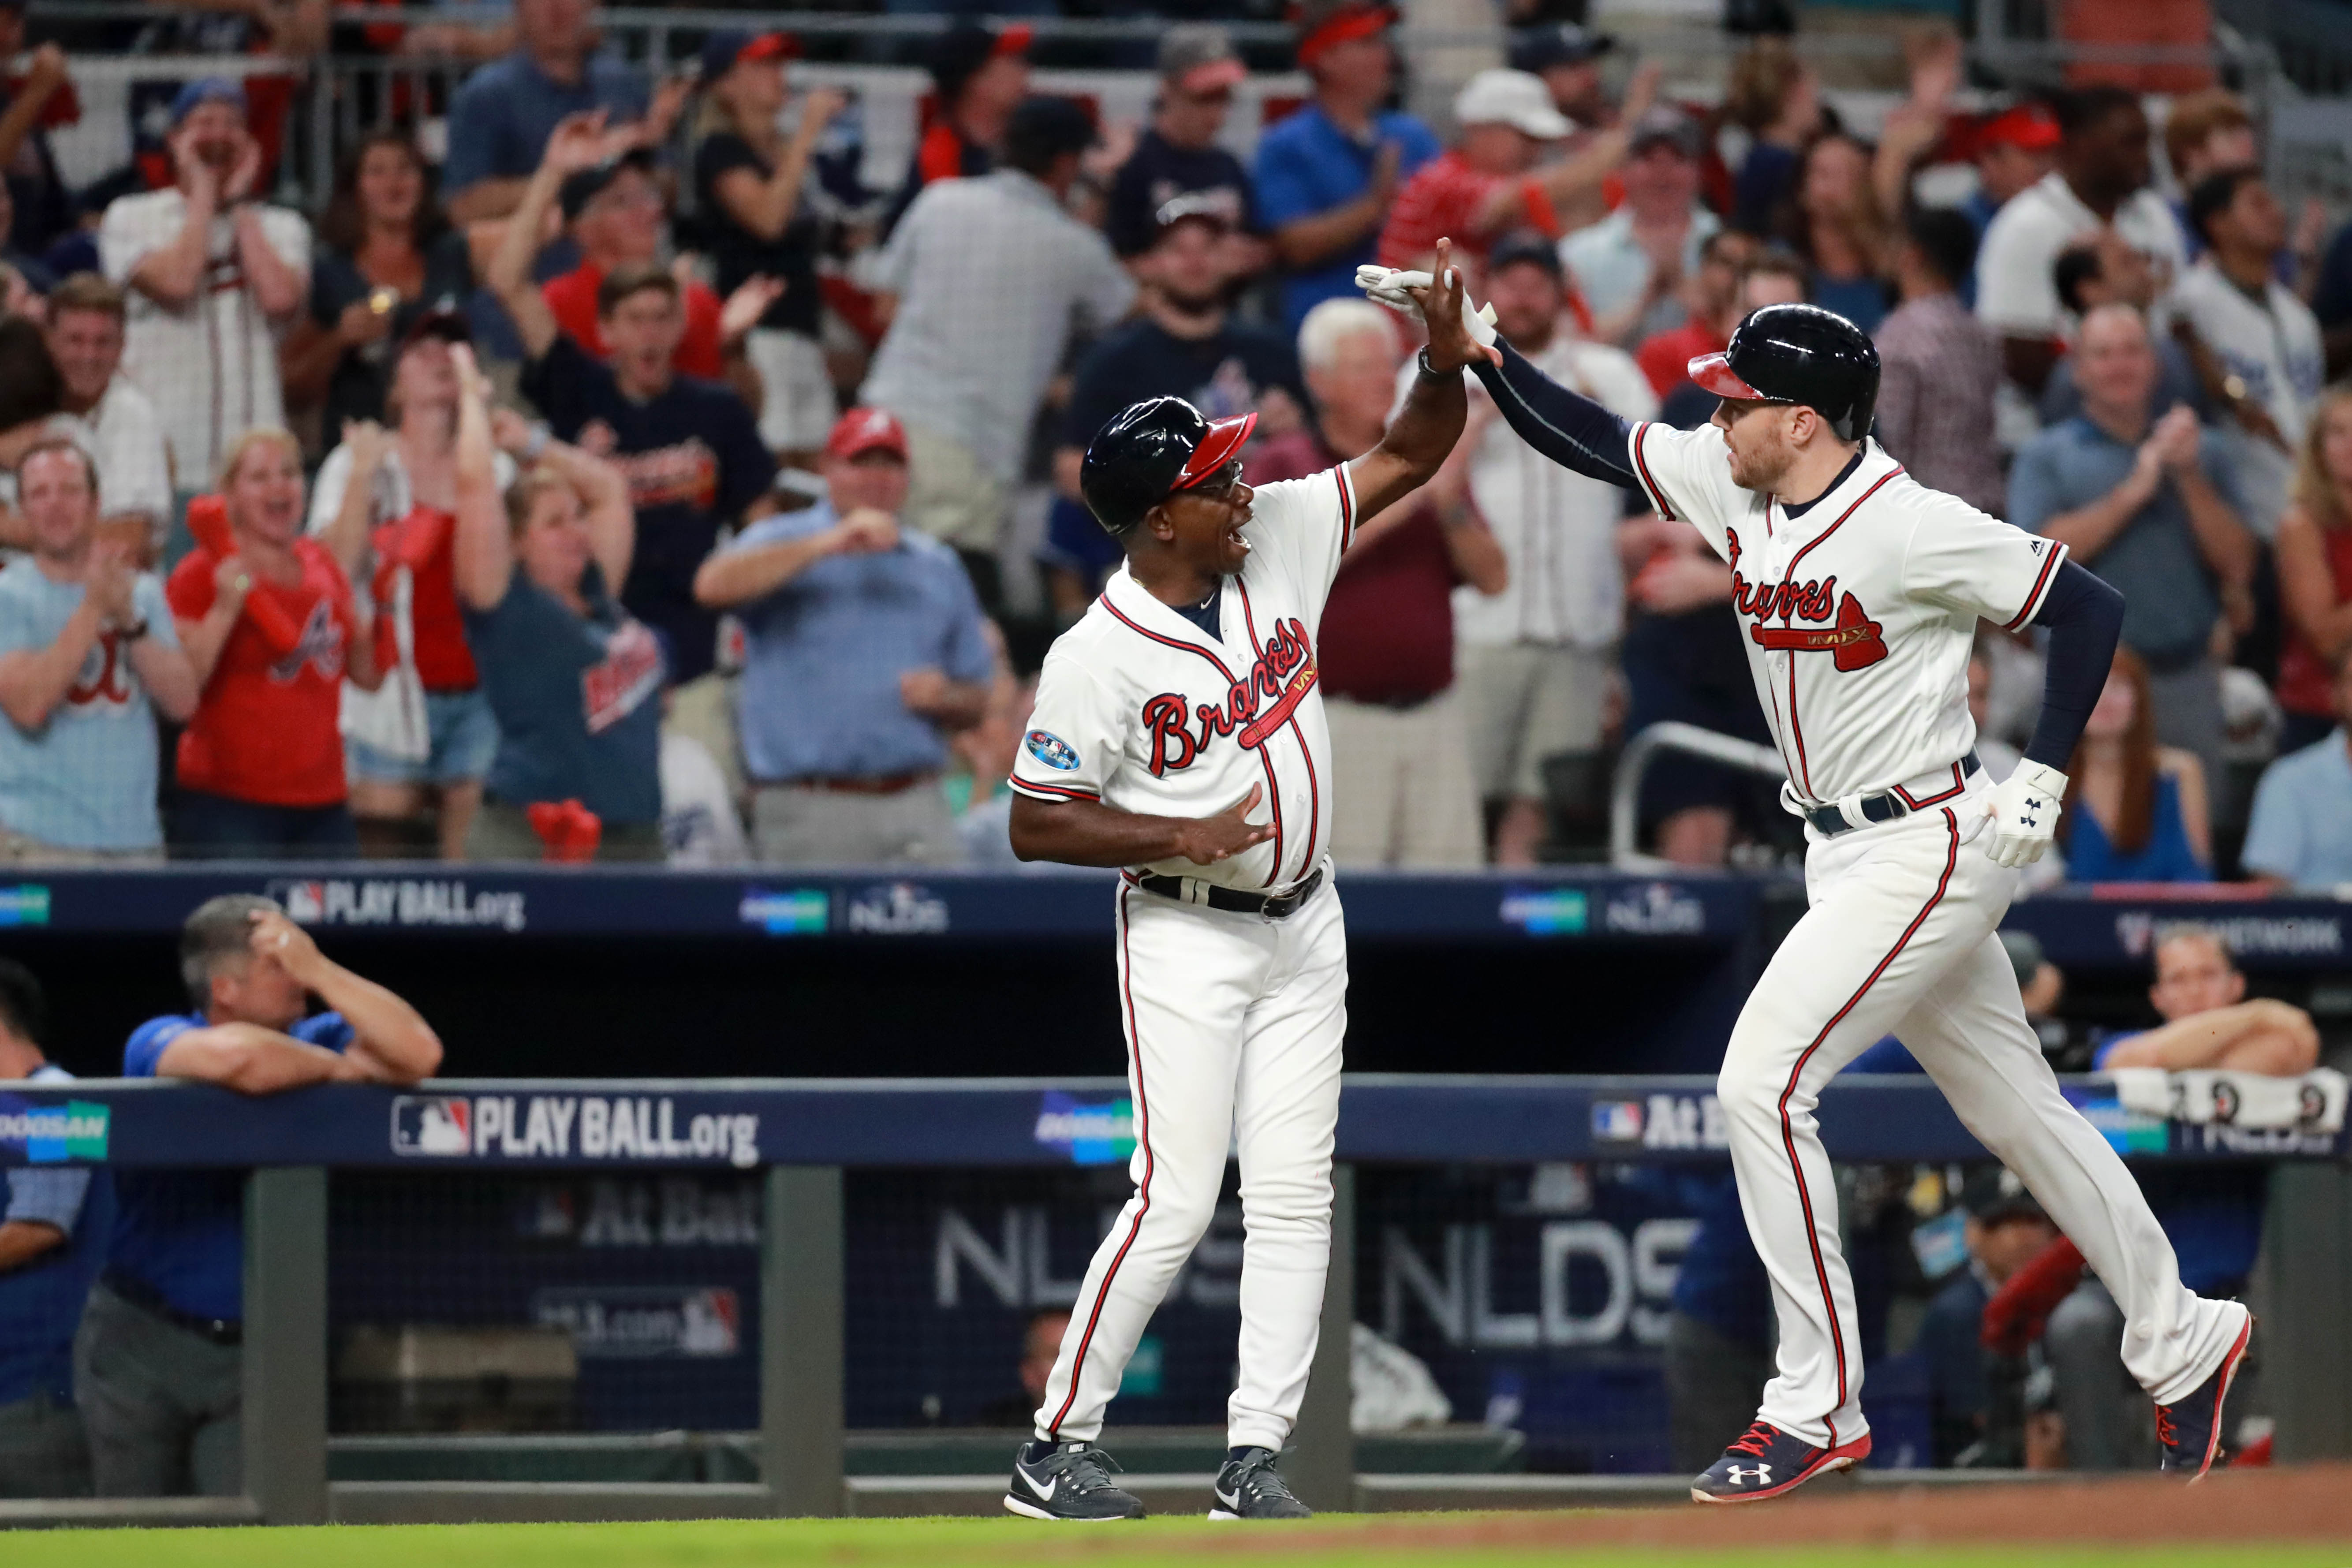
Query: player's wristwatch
x=1427 y=368
x=134 y=631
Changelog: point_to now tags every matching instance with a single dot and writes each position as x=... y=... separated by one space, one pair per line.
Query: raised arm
x=1426 y=427
x=483 y=557
x=171 y=274
x=395 y=1044
x=766 y=207
x=578 y=143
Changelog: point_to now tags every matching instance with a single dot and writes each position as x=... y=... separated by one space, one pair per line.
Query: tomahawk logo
x=1760 y=1474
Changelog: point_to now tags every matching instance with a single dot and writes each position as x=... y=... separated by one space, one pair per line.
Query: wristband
x=134 y=631
x=537 y=443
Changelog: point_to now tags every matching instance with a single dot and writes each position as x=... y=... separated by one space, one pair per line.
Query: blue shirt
x=1307 y=165
x=40 y=1300
x=822 y=654
x=2167 y=857
x=500 y=119
x=2302 y=826
x=182 y=1233
x=578 y=701
x=86 y=778
x=2169 y=600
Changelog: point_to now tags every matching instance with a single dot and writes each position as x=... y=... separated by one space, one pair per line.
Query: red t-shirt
x=1443 y=199
x=1664 y=357
x=265 y=726
x=572 y=298
x=425 y=542
x=2307 y=682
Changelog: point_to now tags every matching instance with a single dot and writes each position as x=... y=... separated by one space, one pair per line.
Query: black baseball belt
x=1885 y=806
x=1269 y=906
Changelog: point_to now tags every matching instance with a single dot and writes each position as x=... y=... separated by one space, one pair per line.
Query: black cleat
x=1767 y=1462
x=1068 y=1485
x=1251 y=1488
x=2191 y=1429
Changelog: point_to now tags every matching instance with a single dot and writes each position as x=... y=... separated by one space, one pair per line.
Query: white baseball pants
x=1233 y=1025
x=1899 y=939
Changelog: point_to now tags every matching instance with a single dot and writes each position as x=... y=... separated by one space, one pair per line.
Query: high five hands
x=1458 y=335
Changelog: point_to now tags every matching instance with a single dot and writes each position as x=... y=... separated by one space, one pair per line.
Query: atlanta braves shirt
x=1857 y=615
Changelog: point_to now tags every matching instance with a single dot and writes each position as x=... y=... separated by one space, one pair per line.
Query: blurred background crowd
x=793 y=376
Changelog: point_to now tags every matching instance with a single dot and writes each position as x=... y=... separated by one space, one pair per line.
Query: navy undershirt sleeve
x=1571 y=429
x=2085 y=617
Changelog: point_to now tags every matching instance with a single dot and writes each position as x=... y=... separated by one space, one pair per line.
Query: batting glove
x=1387 y=286
x=2024 y=812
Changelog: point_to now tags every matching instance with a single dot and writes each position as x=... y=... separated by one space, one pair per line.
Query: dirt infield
x=2297 y=1503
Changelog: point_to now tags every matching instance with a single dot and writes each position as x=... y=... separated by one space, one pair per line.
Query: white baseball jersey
x=1140 y=708
x=1859 y=614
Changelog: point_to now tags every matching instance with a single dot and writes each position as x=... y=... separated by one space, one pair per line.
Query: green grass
x=989 y=1543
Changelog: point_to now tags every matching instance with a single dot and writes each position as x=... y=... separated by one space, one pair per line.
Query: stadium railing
x=804 y=1138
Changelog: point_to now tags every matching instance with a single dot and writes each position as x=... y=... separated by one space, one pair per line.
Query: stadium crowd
x=788 y=463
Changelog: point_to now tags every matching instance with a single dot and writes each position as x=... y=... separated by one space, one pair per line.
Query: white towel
x=2313 y=1103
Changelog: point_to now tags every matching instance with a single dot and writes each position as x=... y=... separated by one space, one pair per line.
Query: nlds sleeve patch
x=1053 y=751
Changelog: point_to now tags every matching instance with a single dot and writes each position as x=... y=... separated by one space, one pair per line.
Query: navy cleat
x=1767 y=1462
x=1251 y=1488
x=2191 y=1429
x=1067 y=1484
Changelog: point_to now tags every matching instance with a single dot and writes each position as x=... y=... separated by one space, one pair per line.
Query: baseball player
x=1861 y=590
x=1179 y=736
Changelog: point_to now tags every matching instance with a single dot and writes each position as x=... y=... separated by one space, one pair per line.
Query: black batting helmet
x=1798 y=353
x=1149 y=450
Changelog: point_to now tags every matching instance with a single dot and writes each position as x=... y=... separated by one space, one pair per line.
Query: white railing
x=1690 y=739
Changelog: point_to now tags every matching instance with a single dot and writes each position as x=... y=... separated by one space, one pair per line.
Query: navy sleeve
x=1571 y=429
x=746 y=466
x=2085 y=617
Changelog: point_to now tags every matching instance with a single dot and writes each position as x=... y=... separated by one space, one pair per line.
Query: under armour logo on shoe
x=1741 y=1475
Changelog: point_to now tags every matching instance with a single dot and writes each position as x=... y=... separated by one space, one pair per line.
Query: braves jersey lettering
x=322 y=646
x=1883 y=575
x=1285 y=673
x=105 y=676
x=1152 y=715
x=631 y=671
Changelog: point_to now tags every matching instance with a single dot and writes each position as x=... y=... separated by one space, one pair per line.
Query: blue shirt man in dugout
x=158 y=1368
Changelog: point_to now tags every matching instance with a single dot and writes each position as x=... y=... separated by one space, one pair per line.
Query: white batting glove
x=1387 y=286
x=2024 y=812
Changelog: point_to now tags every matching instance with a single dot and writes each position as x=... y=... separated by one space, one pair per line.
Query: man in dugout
x=157 y=1363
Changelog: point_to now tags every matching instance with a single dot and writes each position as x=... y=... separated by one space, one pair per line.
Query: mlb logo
x=432 y=1125
x=306 y=903
x=1617 y=1120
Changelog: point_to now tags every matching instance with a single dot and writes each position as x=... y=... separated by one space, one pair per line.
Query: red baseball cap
x=864 y=430
x=1350 y=22
x=2030 y=127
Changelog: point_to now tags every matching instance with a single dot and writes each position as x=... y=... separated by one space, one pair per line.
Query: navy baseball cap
x=207 y=89
x=1523 y=245
x=1562 y=44
x=728 y=45
x=578 y=190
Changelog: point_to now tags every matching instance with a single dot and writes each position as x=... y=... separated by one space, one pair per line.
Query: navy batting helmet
x=1798 y=353
x=1149 y=450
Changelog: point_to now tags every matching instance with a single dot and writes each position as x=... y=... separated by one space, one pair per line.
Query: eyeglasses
x=1222 y=485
